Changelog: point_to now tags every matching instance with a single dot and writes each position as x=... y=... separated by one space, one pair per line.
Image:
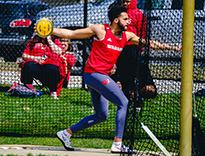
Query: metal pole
x=84 y=41
x=187 y=78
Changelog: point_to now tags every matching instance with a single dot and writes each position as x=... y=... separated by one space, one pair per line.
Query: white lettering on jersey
x=114 y=47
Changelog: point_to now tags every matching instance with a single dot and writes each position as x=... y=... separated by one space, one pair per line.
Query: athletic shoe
x=123 y=149
x=65 y=140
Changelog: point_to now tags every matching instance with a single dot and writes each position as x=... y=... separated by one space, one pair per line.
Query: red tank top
x=104 y=53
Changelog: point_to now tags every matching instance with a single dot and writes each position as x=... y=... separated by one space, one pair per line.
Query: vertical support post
x=187 y=78
x=84 y=41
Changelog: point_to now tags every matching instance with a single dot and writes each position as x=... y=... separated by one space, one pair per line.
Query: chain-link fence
x=44 y=116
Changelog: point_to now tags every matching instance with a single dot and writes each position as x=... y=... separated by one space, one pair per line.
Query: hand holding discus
x=44 y=27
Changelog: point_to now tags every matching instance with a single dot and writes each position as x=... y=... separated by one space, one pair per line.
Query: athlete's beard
x=121 y=26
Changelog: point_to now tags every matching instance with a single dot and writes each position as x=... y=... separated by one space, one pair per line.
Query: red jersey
x=104 y=53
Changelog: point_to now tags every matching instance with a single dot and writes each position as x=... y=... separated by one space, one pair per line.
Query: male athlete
x=109 y=41
x=130 y=66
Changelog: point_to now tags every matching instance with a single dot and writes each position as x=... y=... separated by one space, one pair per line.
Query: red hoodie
x=138 y=22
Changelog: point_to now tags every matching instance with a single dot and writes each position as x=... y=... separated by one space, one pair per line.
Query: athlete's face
x=123 y=21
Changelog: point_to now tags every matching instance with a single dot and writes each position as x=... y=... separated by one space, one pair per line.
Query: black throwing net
x=160 y=114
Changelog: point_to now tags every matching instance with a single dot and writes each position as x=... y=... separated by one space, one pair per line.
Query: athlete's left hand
x=178 y=48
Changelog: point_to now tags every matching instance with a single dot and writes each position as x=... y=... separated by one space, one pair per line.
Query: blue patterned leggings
x=103 y=89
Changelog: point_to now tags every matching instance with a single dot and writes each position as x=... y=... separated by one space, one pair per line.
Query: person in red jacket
x=127 y=68
x=67 y=63
x=45 y=59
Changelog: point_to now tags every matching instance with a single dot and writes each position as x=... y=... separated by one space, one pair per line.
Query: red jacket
x=68 y=60
x=138 y=22
x=64 y=62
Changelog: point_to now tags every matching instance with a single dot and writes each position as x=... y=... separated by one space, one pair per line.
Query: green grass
x=45 y=116
x=36 y=121
x=53 y=141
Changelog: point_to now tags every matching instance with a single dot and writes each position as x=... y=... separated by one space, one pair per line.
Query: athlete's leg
x=101 y=113
x=102 y=88
x=105 y=86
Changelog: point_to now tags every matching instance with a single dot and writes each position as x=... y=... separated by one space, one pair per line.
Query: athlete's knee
x=123 y=105
x=103 y=116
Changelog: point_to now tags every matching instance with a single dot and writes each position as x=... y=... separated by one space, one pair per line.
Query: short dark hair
x=115 y=11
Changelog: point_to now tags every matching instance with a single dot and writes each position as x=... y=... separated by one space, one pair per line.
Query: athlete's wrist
x=174 y=47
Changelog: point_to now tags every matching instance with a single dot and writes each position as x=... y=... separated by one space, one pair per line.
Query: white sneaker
x=54 y=95
x=122 y=149
x=65 y=139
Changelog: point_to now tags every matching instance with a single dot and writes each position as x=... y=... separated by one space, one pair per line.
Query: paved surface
x=24 y=150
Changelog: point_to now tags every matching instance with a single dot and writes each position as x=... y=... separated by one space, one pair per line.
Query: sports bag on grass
x=26 y=90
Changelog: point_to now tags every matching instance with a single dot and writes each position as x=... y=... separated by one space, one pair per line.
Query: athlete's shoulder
x=99 y=30
x=98 y=26
x=129 y=35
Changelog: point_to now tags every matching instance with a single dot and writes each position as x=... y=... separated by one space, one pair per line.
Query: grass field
x=53 y=141
x=36 y=121
x=44 y=116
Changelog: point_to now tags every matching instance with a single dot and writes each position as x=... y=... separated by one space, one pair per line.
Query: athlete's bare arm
x=131 y=37
x=94 y=30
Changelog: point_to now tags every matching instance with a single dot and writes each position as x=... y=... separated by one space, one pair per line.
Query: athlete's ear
x=116 y=20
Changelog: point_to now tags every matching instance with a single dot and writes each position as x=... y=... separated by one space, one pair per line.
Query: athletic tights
x=103 y=89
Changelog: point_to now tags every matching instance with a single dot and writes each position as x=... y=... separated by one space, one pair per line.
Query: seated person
x=44 y=60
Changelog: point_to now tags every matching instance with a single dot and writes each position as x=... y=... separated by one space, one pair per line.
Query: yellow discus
x=44 y=27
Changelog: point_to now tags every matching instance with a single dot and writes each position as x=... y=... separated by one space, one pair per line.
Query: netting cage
x=64 y=99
